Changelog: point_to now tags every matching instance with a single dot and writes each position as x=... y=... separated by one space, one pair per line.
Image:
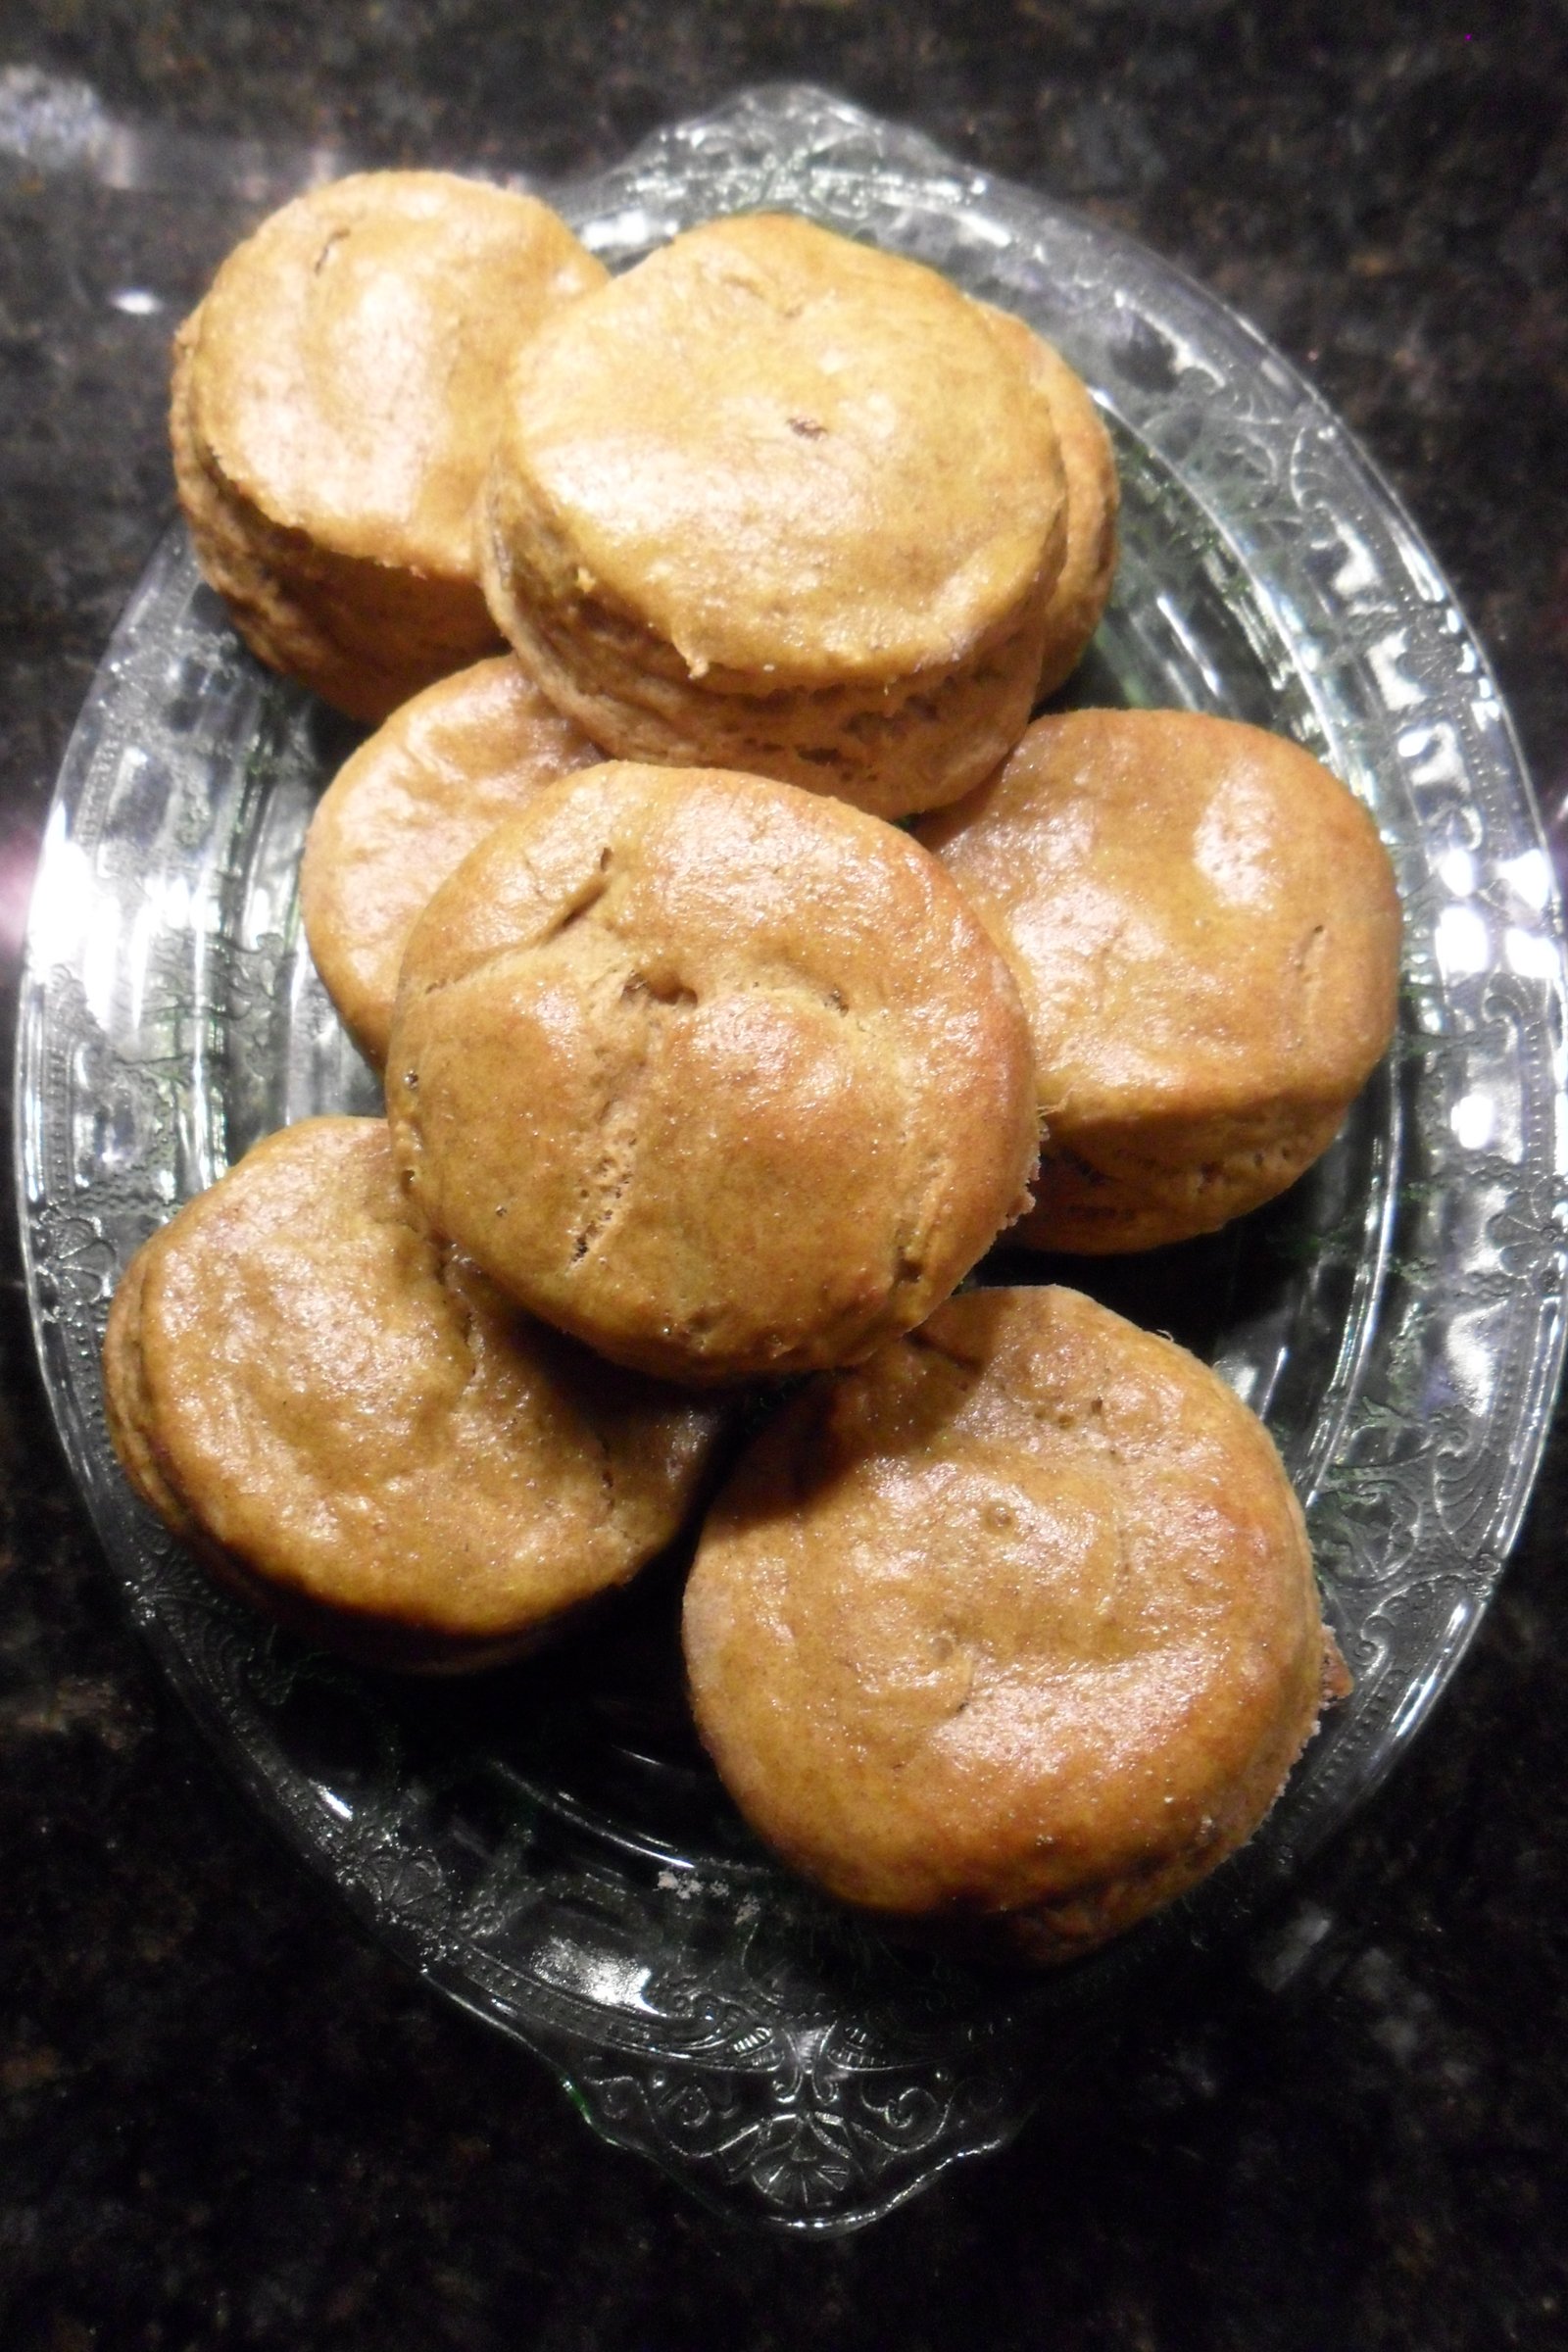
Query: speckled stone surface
x=224 y=2119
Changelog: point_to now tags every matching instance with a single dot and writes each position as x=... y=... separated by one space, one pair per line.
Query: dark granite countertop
x=224 y=2117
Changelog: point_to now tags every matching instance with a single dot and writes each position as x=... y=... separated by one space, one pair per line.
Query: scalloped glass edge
x=759 y=2097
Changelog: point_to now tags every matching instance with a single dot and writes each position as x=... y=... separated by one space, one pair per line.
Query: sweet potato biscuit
x=336 y=398
x=777 y=502
x=405 y=811
x=723 y=1077
x=349 y=1424
x=1205 y=929
x=1014 y=1625
x=1094 y=500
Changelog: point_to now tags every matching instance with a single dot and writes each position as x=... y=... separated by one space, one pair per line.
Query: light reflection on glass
x=1529 y=877
x=1456 y=871
x=63 y=898
x=601 y=1977
x=1418 y=1696
x=1530 y=953
x=1358 y=571
x=1398 y=692
x=636 y=226
x=1474 y=1122
x=1434 y=753
x=1462 y=944
x=1180 y=629
x=1475 y=1342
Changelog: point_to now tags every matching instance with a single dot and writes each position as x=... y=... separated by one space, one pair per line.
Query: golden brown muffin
x=1205 y=929
x=1094 y=500
x=336 y=399
x=349 y=1425
x=1015 y=1625
x=778 y=502
x=405 y=811
x=721 y=1076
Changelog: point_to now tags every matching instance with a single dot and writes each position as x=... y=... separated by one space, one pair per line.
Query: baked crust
x=336 y=401
x=1014 y=1628
x=1205 y=931
x=1094 y=501
x=817 y=543
x=724 y=1077
x=402 y=814
x=350 y=1426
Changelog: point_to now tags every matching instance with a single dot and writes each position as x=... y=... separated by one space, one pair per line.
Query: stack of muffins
x=705 y=1077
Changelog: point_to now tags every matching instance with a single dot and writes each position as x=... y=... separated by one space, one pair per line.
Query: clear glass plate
x=547 y=1846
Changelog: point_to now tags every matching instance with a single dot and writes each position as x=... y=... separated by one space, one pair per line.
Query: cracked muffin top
x=1016 y=1626
x=720 y=1075
x=352 y=1427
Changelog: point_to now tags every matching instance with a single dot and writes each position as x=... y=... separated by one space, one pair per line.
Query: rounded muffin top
x=785 y=456
x=405 y=810
x=724 y=1076
x=1019 y=1617
x=1202 y=917
x=350 y=357
x=299 y=1376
